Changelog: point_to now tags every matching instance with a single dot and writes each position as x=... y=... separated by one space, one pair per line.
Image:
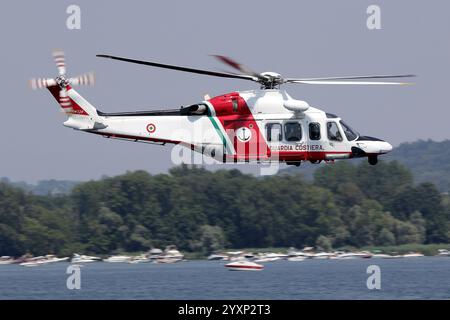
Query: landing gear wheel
x=294 y=163
x=373 y=160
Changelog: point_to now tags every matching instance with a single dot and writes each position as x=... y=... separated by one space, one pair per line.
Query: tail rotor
x=62 y=81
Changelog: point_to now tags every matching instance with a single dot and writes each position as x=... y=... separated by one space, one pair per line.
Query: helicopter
x=261 y=125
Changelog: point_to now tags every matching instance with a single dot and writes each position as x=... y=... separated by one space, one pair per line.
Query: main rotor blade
x=349 y=82
x=179 y=68
x=236 y=65
x=389 y=76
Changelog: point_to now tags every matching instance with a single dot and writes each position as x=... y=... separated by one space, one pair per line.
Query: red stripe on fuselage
x=283 y=156
x=233 y=113
x=124 y=136
x=294 y=156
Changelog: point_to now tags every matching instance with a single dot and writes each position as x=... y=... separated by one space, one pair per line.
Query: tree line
x=202 y=211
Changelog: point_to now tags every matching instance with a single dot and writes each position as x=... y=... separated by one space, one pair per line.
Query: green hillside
x=429 y=161
x=202 y=211
x=44 y=187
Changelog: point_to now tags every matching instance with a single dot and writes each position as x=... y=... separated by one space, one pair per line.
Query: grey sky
x=294 y=38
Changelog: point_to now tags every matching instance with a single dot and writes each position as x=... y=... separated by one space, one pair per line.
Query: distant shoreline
x=426 y=249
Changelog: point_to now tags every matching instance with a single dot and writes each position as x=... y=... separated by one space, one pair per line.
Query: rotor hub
x=270 y=80
x=62 y=81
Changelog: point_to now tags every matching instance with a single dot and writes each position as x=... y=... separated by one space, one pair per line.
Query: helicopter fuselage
x=257 y=125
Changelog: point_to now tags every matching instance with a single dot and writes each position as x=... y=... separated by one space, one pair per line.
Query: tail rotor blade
x=87 y=79
x=39 y=83
x=60 y=61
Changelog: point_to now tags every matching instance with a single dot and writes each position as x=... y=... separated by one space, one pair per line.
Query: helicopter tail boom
x=81 y=114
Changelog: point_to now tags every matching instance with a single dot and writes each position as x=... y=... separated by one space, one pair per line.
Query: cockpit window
x=349 y=132
x=333 y=131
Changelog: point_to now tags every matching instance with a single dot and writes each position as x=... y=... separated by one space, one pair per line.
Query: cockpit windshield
x=348 y=131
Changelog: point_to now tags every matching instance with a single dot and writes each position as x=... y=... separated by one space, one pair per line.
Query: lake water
x=407 y=278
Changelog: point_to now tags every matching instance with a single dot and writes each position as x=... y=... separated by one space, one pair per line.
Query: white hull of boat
x=386 y=256
x=74 y=261
x=30 y=264
x=296 y=259
x=43 y=261
x=244 y=266
x=413 y=255
x=84 y=259
x=217 y=257
x=117 y=259
x=268 y=259
x=323 y=255
x=139 y=261
x=168 y=260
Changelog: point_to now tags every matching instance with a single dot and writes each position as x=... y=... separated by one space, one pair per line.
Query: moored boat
x=354 y=255
x=278 y=255
x=41 y=260
x=213 y=257
x=413 y=255
x=292 y=252
x=33 y=261
x=116 y=259
x=84 y=259
x=267 y=259
x=50 y=258
x=155 y=253
x=170 y=254
x=386 y=256
x=167 y=260
x=139 y=259
x=322 y=255
x=6 y=260
x=297 y=258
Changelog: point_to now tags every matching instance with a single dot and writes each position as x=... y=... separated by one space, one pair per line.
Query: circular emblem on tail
x=151 y=128
x=244 y=134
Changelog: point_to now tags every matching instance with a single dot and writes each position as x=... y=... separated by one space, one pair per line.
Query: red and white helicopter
x=261 y=125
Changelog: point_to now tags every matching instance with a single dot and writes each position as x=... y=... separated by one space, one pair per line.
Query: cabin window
x=273 y=132
x=314 y=131
x=349 y=132
x=333 y=131
x=292 y=131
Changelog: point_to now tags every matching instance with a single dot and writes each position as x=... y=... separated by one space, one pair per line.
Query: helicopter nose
x=385 y=147
x=372 y=145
